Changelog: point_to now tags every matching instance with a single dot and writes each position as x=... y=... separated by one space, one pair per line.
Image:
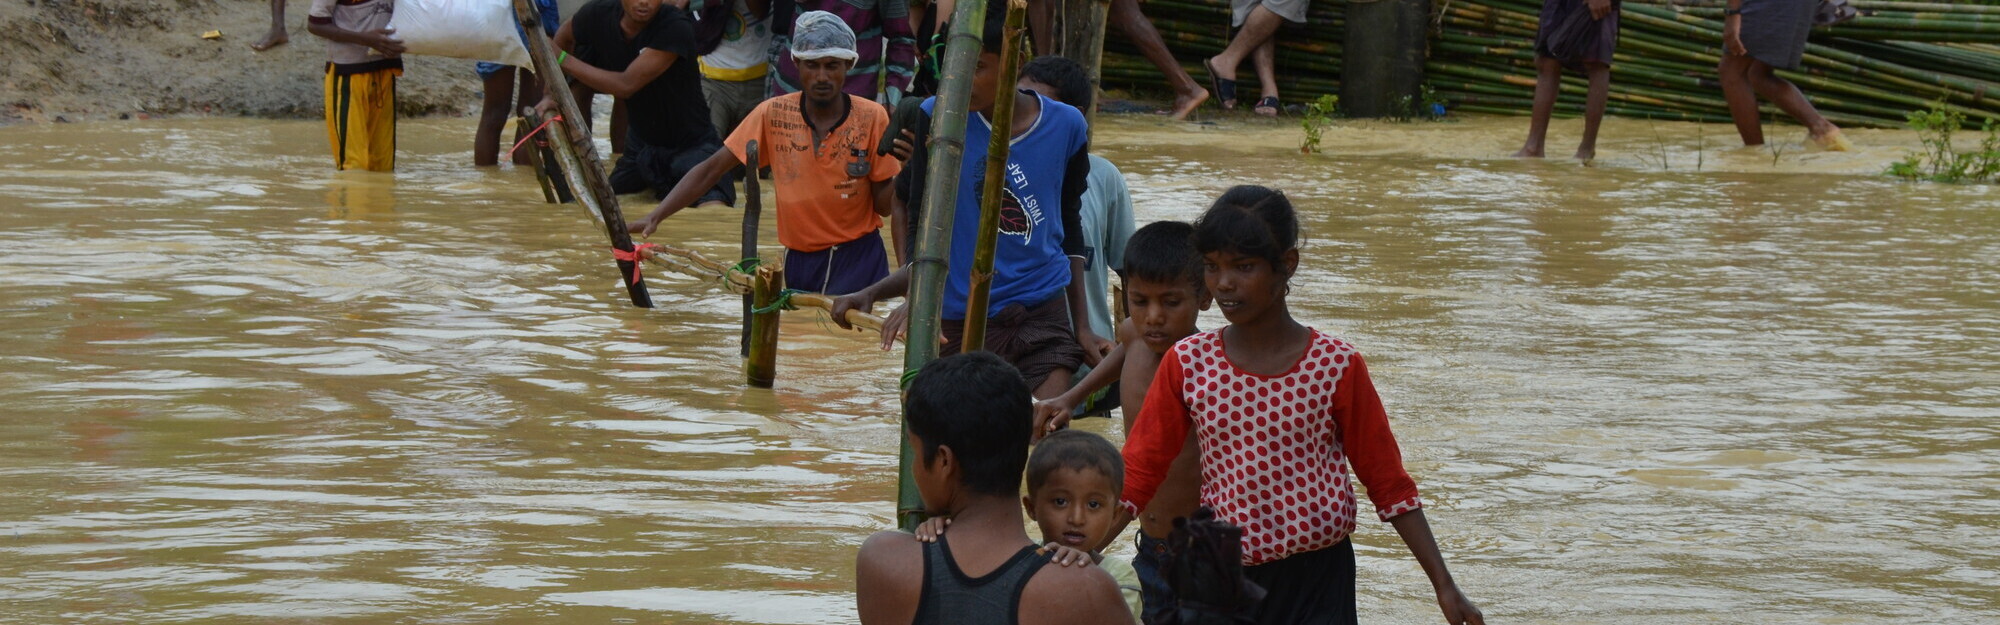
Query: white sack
x=480 y=30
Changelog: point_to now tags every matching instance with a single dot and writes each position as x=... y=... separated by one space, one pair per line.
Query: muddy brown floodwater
x=242 y=388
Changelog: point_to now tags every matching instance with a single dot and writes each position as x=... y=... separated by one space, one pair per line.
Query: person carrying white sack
x=364 y=57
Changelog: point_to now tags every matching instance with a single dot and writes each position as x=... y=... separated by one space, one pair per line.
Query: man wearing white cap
x=832 y=186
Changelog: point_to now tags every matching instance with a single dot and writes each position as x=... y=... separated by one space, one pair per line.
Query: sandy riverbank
x=72 y=60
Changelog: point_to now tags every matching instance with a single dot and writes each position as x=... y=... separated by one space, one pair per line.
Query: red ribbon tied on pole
x=531 y=134
x=634 y=256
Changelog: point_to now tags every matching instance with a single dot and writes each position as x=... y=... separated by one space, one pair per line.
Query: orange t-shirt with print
x=826 y=193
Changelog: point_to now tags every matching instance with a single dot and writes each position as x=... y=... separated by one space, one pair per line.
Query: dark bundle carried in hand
x=1205 y=570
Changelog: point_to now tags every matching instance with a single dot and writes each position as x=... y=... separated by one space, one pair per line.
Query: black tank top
x=950 y=596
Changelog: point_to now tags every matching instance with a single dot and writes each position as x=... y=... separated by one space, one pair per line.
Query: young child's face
x=1245 y=287
x=1164 y=312
x=1074 y=507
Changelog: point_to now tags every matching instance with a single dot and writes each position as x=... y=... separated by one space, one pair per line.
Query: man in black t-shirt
x=642 y=52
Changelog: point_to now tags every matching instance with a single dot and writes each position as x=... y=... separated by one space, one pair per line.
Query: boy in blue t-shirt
x=1037 y=317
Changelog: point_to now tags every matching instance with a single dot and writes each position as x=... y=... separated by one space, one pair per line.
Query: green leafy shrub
x=1319 y=115
x=1940 y=159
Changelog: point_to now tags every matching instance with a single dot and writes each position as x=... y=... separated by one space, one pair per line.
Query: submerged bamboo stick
x=760 y=359
x=738 y=282
x=995 y=186
x=522 y=126
x=579 y=153
x=753 y=209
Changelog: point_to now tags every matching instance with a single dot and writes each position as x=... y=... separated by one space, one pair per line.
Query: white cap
x=822 y=35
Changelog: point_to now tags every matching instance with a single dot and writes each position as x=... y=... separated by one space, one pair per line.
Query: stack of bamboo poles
x=1897 y=57
x=1482 y=60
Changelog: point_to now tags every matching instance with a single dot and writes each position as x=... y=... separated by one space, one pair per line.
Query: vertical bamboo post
x=753 y=209
x=1382 y=56
x=522 y=125
x=760 y=362
x=1082 y=40
x=995 y=184
x=947 y=146
x=580 y=153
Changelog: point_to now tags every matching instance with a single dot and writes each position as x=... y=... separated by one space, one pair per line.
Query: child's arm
x=929 y=530
x=1157 y=435
x=1053 y=414
x=1416 y=532
x=383 y=40
x=1076 y=180
x=1372 y=451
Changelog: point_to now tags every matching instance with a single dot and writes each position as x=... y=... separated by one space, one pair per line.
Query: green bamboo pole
x=947 y=146
x=1002 y=126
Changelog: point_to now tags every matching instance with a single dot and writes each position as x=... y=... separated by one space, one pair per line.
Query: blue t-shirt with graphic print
x=1030 y=264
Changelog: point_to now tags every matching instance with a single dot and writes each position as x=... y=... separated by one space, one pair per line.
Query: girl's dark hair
x=1071 y=82
x=979 y=406
x=1075 y=450
x=1249 y=220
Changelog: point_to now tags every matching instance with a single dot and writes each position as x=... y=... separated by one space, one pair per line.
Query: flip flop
x=1270 y=103
x=1223 y=88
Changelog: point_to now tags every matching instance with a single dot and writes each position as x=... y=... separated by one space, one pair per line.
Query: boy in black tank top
x=968 y=419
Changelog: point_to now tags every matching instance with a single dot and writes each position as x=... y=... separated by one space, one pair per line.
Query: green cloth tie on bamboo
x=782 y=302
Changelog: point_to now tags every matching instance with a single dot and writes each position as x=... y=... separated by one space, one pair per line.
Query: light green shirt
x=1128 y=583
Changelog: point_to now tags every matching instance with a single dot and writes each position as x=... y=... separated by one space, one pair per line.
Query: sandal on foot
x=1224 y=89
x=1268 y=103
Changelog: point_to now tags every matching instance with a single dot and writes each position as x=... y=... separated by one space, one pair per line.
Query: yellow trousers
x=361 y=119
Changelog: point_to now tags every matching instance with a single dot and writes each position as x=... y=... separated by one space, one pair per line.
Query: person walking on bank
x=1578 y=35
x=1759 y=37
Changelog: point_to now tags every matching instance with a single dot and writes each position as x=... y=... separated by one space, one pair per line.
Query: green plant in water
x=1427 y=105
x=1319 y=115
x=1940 y=160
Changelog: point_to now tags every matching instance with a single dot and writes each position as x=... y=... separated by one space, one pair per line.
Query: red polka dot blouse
x=1276 y=451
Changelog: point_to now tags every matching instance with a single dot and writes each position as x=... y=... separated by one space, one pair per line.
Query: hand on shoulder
x=1073 y=594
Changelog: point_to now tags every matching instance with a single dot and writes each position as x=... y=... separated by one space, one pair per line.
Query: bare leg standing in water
x=1586 y=47
x=1188 y=94
x=496 y=105
x=1745 y=77
x=277 y=36
x=1593 y=110
x=1547 y=84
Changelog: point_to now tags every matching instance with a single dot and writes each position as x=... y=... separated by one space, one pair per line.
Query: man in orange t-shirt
x=833 y=188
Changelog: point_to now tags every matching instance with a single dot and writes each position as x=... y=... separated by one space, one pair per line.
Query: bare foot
x=1528 y=153
x=1186 y=103
x=273 y=39
x=1833 y=141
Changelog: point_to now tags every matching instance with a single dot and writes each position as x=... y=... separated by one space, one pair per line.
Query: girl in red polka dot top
x=1283 y=415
